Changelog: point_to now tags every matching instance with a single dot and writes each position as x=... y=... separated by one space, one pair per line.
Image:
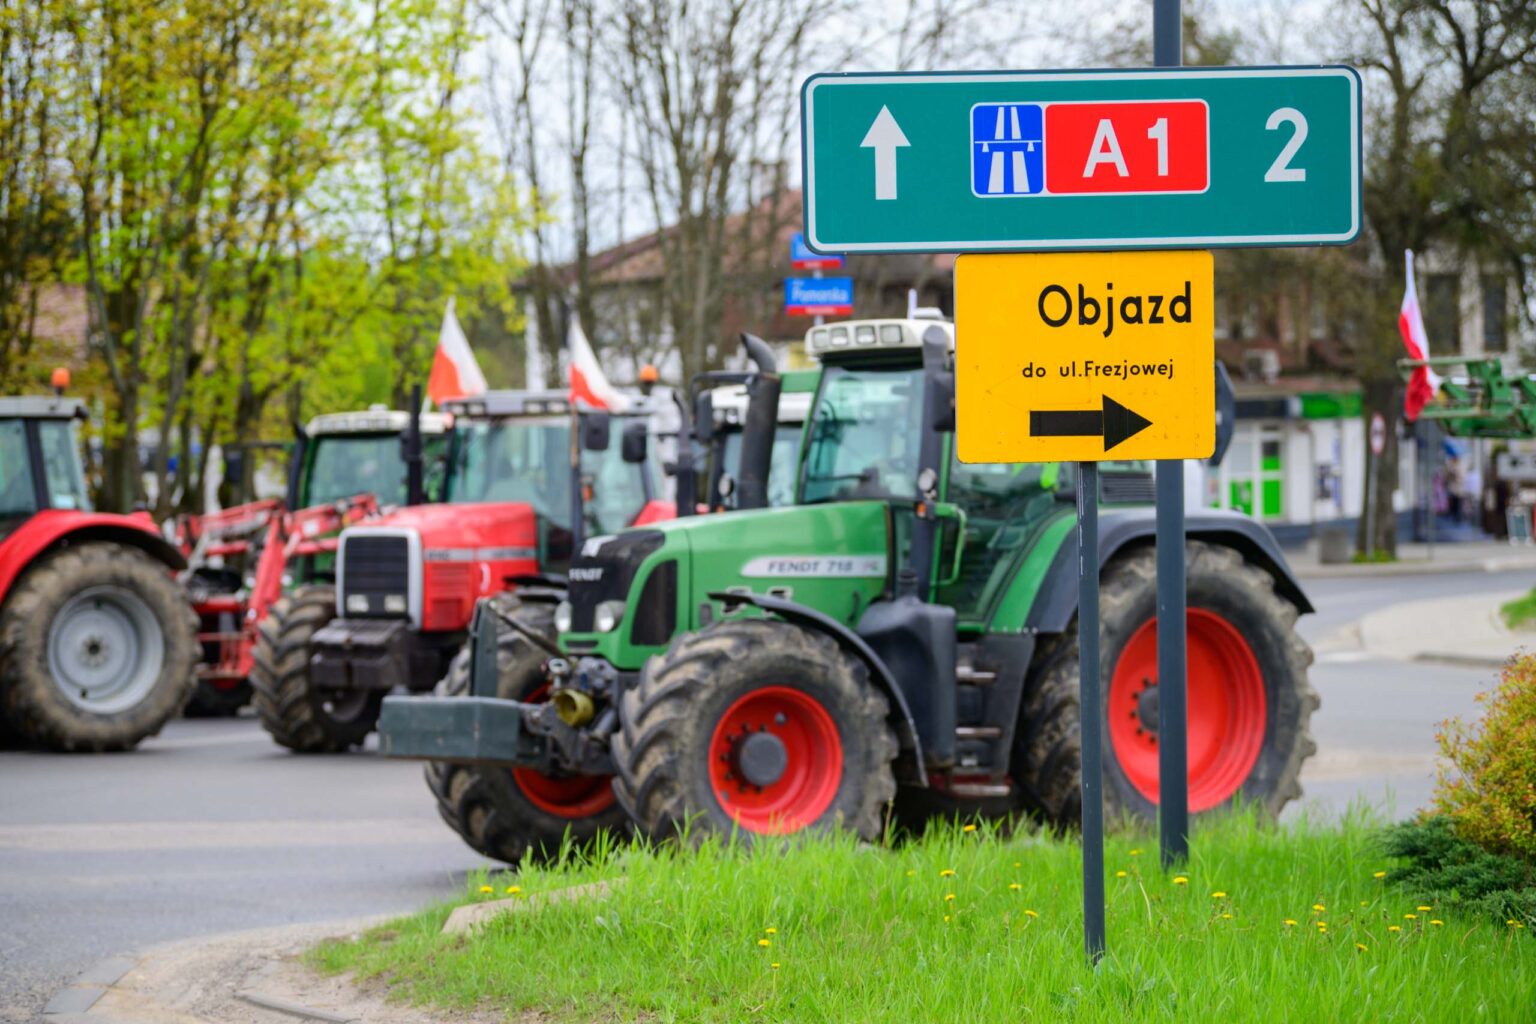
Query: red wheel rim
x=565 y=796
x=813 y=754
x=1228 y=710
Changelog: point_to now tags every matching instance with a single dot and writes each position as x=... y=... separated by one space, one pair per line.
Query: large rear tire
x=507 y=813
x=1250 y=704
x=97 y=649
x=298 y=714
x=758 y=725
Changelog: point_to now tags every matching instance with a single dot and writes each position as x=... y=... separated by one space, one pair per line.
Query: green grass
x=1521 y=612
x=866 y=934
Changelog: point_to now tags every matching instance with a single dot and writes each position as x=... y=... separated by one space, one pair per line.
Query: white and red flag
x=589 y=384
x=1424 y=382
x=455 y=373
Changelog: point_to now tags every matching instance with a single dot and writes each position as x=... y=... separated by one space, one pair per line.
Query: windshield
x=344 y=465
x=528 y=461
x=784 y=461
x=864 y=435
x=17 y=497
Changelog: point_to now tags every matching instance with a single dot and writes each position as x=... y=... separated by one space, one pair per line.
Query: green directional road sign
x=1154 y=159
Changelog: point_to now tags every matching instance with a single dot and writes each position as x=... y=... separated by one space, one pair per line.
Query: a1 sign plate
x=1179 y=158
x=1085 y=357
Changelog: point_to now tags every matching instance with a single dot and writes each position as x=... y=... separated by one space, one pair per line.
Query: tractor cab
x=342 y=454
x=40 y=467
x=526 y=477
x=728 y=407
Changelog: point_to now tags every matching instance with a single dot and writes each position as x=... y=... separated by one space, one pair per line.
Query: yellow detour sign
x=1083 y=357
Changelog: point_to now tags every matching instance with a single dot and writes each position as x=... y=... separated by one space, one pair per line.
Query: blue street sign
x=801 y=257
x=818 y=296
x=1007 y=149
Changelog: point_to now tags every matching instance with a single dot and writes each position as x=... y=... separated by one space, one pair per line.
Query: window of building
x=1495 y=313
x=1442 y=312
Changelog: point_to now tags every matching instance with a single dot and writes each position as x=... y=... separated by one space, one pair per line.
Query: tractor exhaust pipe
x=410 y=451
x=758 y=428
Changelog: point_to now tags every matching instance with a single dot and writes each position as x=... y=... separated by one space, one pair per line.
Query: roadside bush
x=1447 y=870
x=1489 y=790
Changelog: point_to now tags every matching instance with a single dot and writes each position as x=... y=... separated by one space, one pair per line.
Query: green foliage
x=1444 y=869
x=834 y=930
x=1519 y=612
x=1489 y=791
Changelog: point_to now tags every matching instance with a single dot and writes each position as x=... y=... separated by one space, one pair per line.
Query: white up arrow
x=885 y=137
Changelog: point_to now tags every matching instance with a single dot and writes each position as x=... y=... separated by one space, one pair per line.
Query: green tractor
x=904 y=634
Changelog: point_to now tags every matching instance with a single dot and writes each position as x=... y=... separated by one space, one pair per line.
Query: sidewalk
x=1465 y=630
x=1418 y=559
x=244 y=978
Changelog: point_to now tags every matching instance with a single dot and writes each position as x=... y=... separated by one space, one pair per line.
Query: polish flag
x=1410 y=321
x=455 y=374
x=588 y=382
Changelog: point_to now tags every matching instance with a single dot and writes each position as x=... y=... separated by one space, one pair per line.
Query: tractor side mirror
x=704 y=417
x=595 y=428
x=633 y=443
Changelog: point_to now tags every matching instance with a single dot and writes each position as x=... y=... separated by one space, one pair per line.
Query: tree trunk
x=1376 y=535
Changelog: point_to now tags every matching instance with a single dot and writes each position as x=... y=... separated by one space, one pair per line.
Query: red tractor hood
x=464 y=527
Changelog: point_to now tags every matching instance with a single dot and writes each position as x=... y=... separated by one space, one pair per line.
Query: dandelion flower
x=1014 y=886
x=969 y=828
x=486 y=888
x=1363 y=903
x=949 y=897
x=1226 y=917
x=513 y=890
x=1424 y=908
x=1030 y=913
x=773 y=967
x=946 y=919
x=1380 y=874
x=1018 y=864
x=911 y=873
x=1410 y=917
x=947 y=873
x=1319 y=907
x=1218 y=895
x=1322 y=926
x=1362 y=947
x=764 y=943
x=1437 y=922
x=770 y=931
x=1180 y=880
x=1136 y=853
x=1119 y=874
x=1393 y=928
x=1289 y=923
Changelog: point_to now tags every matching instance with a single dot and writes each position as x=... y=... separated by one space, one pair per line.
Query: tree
x=1452 y=167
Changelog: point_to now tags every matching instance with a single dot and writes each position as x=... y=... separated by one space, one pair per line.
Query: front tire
x=507 y=813
x=758 y=725
x=1250 y=704
x=298 y=714
x=98 y=649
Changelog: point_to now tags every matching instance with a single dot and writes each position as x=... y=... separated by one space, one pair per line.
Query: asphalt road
x=210 y=828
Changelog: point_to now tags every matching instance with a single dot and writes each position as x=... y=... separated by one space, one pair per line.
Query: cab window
x=864 y=434
x=61 y=465
x=16 y=492
x=1004 y=504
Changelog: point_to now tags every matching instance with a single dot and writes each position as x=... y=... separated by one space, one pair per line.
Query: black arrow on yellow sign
x=1114 y=421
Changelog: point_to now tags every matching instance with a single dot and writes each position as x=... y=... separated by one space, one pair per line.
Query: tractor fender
x=57 y=527
x=1053 y=610
x=879 y=672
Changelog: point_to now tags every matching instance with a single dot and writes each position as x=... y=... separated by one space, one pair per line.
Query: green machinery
x=902 y=635
x=1483 y=403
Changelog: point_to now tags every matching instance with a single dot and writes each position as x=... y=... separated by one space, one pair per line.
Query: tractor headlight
x=357 y=604
x=394 y=604
x=563 y=617
x=608 y=615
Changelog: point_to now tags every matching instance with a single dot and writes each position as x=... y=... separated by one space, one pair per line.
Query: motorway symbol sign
x=1083 y=357
x=801 y=257
x=1151 y=159
x=818 y=296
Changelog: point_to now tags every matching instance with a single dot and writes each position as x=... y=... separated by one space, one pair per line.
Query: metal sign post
x=1090 y=702
x=1172 y=692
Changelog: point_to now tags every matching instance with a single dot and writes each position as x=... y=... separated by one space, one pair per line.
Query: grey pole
x=1091 y=704
x=1172 y=693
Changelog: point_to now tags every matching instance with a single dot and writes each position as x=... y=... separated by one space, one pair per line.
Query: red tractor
x=97 y=643
x=343 y=467
x=528 y=478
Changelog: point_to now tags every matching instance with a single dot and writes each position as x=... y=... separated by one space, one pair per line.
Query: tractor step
x=458 y=730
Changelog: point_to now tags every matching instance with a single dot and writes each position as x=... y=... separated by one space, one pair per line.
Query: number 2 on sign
x=1281 y=169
